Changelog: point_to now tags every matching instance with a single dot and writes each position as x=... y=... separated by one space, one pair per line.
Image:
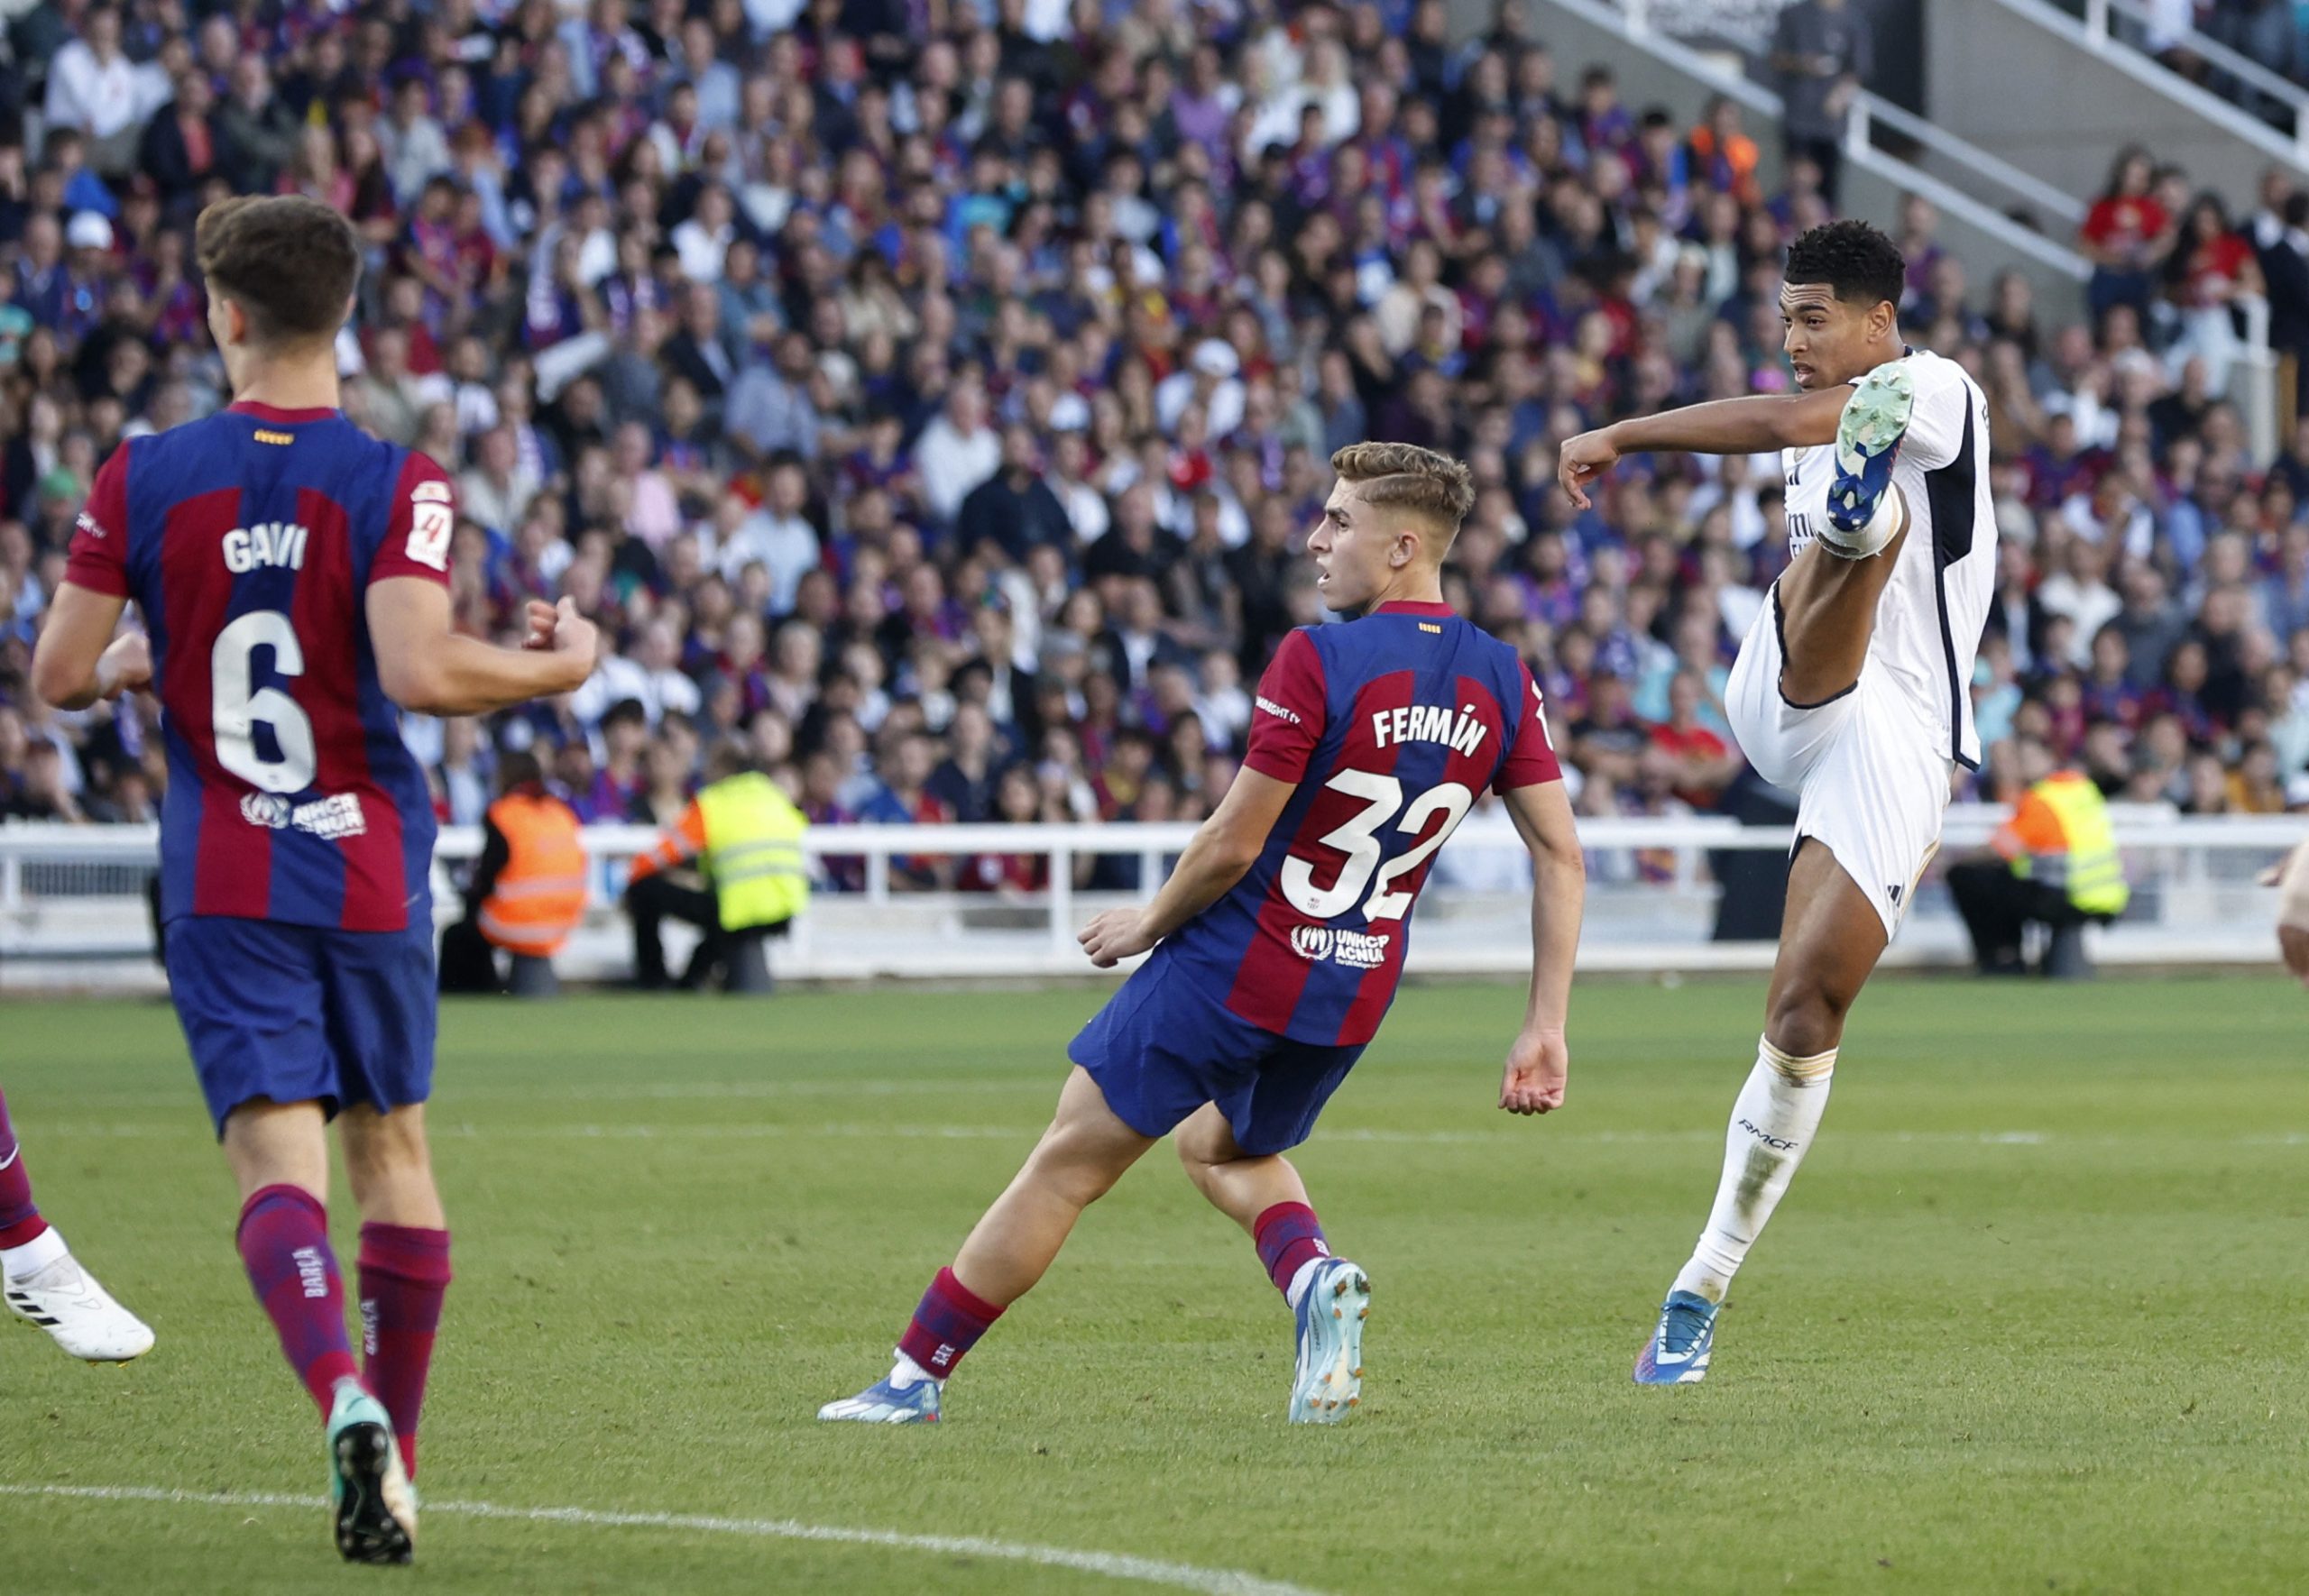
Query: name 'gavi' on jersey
x=247 y=541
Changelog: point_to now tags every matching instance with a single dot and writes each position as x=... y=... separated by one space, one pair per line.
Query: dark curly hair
x=1860 y=263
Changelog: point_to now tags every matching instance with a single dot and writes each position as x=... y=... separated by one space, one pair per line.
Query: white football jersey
x=1928 y=622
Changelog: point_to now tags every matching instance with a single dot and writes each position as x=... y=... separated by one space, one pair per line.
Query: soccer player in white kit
x=1852 y=688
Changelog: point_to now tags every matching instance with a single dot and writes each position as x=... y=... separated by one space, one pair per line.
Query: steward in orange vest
x=527 y=892
x=536 y=899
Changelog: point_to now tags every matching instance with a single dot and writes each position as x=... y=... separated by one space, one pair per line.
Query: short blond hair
x=1404 y=476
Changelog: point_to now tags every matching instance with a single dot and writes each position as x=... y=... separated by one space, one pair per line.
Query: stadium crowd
x=934 y=396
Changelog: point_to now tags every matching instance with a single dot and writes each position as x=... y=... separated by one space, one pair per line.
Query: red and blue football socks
x=283 y=1238
x=404 y=1273
x=1289 y=1238
x=19 y=1220
x=947 y=1323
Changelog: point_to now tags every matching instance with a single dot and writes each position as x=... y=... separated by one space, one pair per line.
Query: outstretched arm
x=1223 y=848
x=1539 y=1061
x=1721 y=426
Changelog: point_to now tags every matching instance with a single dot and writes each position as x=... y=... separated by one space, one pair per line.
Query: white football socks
x=1773 y=1121
x=18 y=1263
x=906 y=1372
x=1302 y=1277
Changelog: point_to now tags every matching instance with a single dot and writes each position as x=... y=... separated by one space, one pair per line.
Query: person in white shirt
x=1085 y=506
x=2080 y=590
x=1208 y=379
x=778 y=538
x=1852 y=688
x=497 y=491
x=91 y=84
x=957 y=451
x=651 y=675
x=703 y=242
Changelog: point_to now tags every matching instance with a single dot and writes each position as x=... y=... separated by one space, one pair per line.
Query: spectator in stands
x=971 y=271
x=2211 y=270
x=2125 y=234
x=1822 y=53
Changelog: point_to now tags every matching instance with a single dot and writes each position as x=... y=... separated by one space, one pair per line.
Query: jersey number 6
x=235 y=710
x=1358 y=839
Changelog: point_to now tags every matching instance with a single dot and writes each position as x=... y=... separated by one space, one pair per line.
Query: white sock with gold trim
x=1773 y=1121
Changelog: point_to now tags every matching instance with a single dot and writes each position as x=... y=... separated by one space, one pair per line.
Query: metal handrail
x=2059 y=202
x=1630 y=20
x=2243 y=68
x=2153 y=74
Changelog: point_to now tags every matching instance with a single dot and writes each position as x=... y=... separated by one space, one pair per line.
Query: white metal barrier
x=73 y=912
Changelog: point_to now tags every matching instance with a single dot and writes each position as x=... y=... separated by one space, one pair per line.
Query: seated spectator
x=1703 y=763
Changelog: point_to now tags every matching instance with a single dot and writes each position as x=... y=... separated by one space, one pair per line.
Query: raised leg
x=1827 y=617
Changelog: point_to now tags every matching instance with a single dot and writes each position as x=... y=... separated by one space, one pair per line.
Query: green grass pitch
x=2029 y=1320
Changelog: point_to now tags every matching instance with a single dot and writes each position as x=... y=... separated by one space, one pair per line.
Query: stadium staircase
x=1890 y=152
x=2056 y=91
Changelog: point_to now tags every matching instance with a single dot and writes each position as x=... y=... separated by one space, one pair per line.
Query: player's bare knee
x=1806 y=1018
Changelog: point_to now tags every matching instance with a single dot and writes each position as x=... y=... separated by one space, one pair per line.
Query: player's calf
x=1866 y=511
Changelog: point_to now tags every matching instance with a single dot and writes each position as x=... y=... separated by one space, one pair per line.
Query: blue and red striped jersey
x=1389 y=726
x=248 y=541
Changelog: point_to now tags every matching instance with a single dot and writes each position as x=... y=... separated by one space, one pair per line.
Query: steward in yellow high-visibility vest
x=2059 y=835
x=2054 y=862
x=746 y=834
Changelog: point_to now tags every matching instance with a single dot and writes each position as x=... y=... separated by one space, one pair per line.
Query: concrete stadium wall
x=2058 y=112
x=1645 y=78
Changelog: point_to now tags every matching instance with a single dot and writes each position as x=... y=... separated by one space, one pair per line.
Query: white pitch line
x=767 y=1129
x=1113 y=1566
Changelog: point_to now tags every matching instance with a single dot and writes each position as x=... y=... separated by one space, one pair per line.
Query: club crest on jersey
x=1321 y=944
x=1428 y=723
x=328 y=819
x=268 y=543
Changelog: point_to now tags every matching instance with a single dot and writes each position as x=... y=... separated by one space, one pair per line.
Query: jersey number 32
x=1358 y=839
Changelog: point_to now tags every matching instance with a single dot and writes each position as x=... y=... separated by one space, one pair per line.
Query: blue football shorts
x=297 y=1014
x=1163 y=1047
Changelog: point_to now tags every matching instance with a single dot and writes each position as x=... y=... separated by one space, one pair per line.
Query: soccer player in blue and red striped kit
x=1279 y=937
x=292 y=575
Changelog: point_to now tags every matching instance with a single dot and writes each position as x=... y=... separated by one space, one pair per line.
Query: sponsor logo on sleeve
x=1323 y=944
x=1268 y=706
x=431 y=520
x=85 y=522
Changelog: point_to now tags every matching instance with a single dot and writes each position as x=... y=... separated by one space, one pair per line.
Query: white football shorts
x=2293 y=890
x=1872 y=773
